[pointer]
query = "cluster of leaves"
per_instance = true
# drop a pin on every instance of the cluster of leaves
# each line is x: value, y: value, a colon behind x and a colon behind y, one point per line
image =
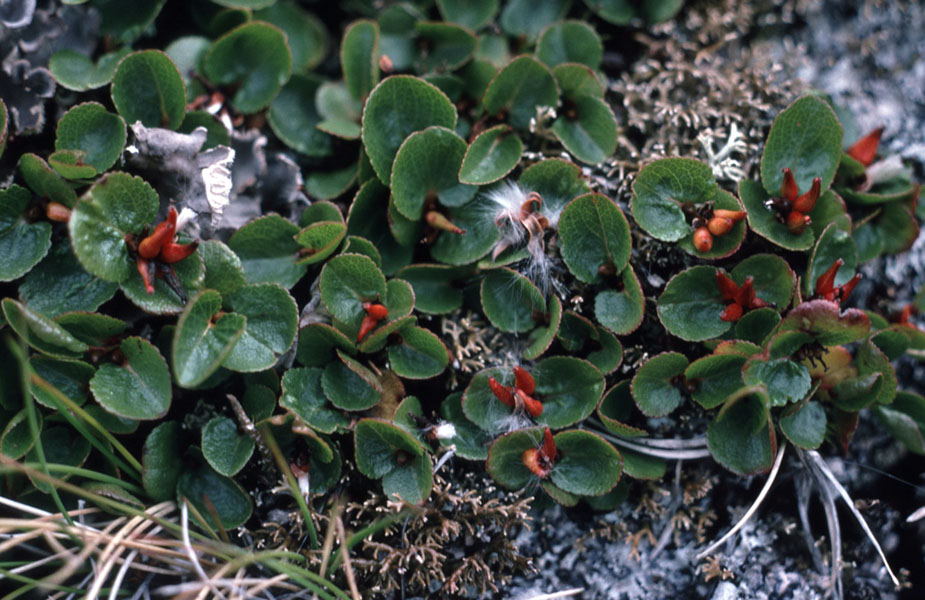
x: 417, y: 222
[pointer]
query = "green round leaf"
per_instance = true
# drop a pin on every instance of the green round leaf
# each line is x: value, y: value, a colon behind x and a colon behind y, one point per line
x: 118, y: 205
x: 756, y: 325
x: 773, y: 278
x: 434, y: 291
x: 91, y: 128
x: 226, y: 450
x: 426, y: 166
x: 621, y: 310
x: 856, y: 393
x: 139, y: 388
x: 569, y: 389
x: 216, y: 134
x: 586, y: 465
x: 305, y: 33
x: 691, y: 305
x: 161, y: 461
x: 92, y: 329
x: 520, y: 87
x: 125, y: 22
x: 294, y: 118
x: 16, y: 438
x: 723, y: 245
x: 473, y: 14
x: 211, y: 492
x: 349, y: 385
x: 367, y: 212
x: 110, y: 422
x: 806, y: 426
x: 253, y: 57
x: 610, y: 354
x: 870, y: 359
x: 577, y: 80
x: 491, y: 156
x: 655, y: 385
x: 224, y: 272
x: 660, y: 190
x: 411, y: 482
x: 826, y: 322
x: 505, y: 464
x: 525, y: 18
x: 557, y: 181
x: 785, y: 380
x: 268, y: 251
x: 454, y: 249
x: 830, y: 208
x: 319, y: 212
x: 346, y: 282
x: 317, y: 342
x: 22, y: 244
x: 805, y: 138
x: 45, y: 181
x: 320, y: 240
x: 511, y: 301
x: 304, y: 396
x: 396, y: 108
x: 419, y: 355
x: 201, y: 345
x: 72, y: 164
x: 40, y: 332
x: 594, y: 234
x: 165, y: 300
x: 542, y: 336
x: 570, y: 42
x: 448, y: 46
x: 272, y: 321
x: 62, y: 446
x: 905, y: 420
x: 359, y: 56
x: 587, y: 128
x: 147, y: 87
x: 339, y: 111
x: 833, y: 244
x: 378, y: 446
x: 740, y: 437
x: 70, y: 377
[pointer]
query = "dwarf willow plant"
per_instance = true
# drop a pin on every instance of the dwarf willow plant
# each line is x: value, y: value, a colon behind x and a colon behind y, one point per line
x: 424, y: 201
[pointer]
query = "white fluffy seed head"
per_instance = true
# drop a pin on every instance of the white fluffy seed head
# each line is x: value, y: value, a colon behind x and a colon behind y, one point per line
x: 445, y: 430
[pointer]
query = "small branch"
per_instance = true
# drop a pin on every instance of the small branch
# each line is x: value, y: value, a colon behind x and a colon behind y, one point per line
x: 345, y: 553
x: 751, y: 510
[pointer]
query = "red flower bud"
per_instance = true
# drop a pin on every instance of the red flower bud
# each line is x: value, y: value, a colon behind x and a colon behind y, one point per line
x: 797, y: 222
x: 172, y: 253
x: 524, y: 381
x: 728, y: 288
x: 502, y: 393
x: 703, y: 240
x: 865, y: 149
x: 146, y: 271
x: 375, y: 310
x: 532, y: 406
x: 732, y: 313
x: 548, y: 450
x: 55, y: 211
x: 734, y: 215
x: 439, y: 221
x: 807, y: 201
x: 825, y: 283
x: 788, y: 189
x: 532, y: 460
x: 719, y: 226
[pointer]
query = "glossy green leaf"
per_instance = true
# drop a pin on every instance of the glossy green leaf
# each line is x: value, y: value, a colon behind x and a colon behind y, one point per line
x: 396, y: 108
x: 616, y: 409
x: 522, y: 86
x: 491, y: 156
x: 201, y: 345
x: 70, y: 377
x: 773, y: 278
x: 40, y: 332
x: 594, y: 234
x: 226, y: 450
x: 756, y: 325
x: 662, y: 188
x: 714, y: 378
x: 16, y: 438
x: 426, y: 167
x: 411, y: 482
x: 805, y: 138
x: 71, y: 164
x: 557, y: 181
x: 126, y: 22
x: 433, y: 286
x: 856, y: 393
x: 655, y: 385
x: 691, y: 305
x: 165, y: 300
x: 587, y: 128
x: 570, y: 42
x: 305, y: 33
x: 216, y: 134
x: 826, y: 322
x: 870, y: 359
x: 304, y: 396
x: 505, y: 464
x: 454, y: 249
x: 118, y: 205
x: 379, y: 444
x: 359, y: 56
x: 61, y: 445
x: 473, y: 14
x: 147, y: 87
x: 44, y: 181
x: 740, y: 437
x: 349, y: 385
x: 621, y: 310
x: 419, y: 355
x: 272, y: 321
x: 569, y: 389
x: 294, y: 118
x: 586, y: 464
x: 527, y: 19
x: 93, y: 329
x: 111, y: 422
x: 785, y: 380
x: 905, y: 420
x: 577, y: 80
x: 253, y: 57
x: 511, y: 301
x: 137, y: 389
x: 91, y: 128
x: 320, y: 240
x: 449, y: 46
x: 542, y: 336
x: 161, y: 461
x: 213, y: 493
x: 806, y: 426
x: 268, y: 251
x: 22, y: 244
x: 367, y: 212
x: 340, y: 112
x: 224, y: 272
x: 346, y: 282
